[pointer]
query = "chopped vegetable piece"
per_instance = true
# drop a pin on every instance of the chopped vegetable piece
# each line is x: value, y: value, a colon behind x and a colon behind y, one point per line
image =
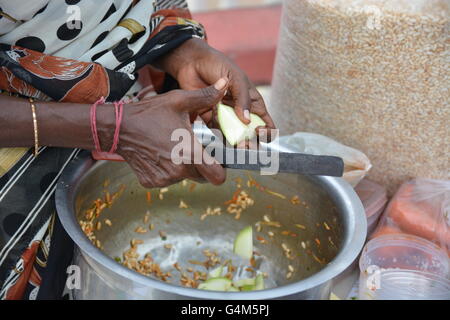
x: 140, y: 230
x: 163, y: 235
x: 259, y: 282
x: 244, y: 282
x: 233, y: 289
x: 233, y: 129
x: 216, y: 284
x: 216, y: 273
x: 183, y: 205
x: 243, y: 244
x: 248, y: 288
x: 279, y: 195
x: 334, y: 297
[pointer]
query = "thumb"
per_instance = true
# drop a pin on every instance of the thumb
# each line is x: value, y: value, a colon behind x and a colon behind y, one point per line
x: 196, y: 100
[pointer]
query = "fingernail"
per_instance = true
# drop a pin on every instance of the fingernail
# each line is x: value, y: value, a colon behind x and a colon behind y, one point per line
x: 247, y: 114
x: 220, y: 84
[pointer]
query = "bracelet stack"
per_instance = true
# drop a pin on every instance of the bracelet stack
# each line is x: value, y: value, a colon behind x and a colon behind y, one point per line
x: 98, y: 153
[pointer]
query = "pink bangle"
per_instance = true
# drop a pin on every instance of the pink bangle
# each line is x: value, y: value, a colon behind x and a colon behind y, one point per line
x: 94, y: 123
x: 118, y: 109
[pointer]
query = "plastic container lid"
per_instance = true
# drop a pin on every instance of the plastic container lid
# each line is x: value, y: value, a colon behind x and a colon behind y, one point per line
x: 407, y: 252
x: 374, y: 199
x: 372, y: 195
x: 402, y: 260
x: 404, y: 285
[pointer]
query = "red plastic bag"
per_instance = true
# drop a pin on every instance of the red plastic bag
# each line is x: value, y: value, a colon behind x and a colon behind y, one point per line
x: 421, y: 207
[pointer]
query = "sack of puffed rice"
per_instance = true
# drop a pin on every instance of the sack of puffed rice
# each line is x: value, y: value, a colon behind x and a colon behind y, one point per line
x: 372, y: 74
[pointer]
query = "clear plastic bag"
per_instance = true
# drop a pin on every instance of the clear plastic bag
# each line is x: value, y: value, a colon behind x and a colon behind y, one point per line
x: 421, y: 207
x: 356, y: 163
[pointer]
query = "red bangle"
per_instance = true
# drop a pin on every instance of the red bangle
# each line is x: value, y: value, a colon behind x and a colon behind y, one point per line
x: 118, y: 107
x: 94, y: 124
x: 98, y: 153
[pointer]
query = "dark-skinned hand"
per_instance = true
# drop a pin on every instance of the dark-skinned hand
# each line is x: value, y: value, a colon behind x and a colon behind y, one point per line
x: 145, y: 139
x: 196, y: 65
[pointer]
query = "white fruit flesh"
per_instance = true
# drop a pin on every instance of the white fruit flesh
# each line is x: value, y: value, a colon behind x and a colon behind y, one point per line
x: 243, y: 244
x: 216, y: 284
x: 233, y: 129
x: 233, y: 289
x: 259, y: 282
x: 216, y: 273
x: 244, y: 282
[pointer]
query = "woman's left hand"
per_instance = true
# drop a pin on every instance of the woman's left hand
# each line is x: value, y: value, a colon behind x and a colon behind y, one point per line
x: 196, y: 65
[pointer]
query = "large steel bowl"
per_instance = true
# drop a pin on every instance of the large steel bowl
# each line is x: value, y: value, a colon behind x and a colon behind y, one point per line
x: 330, y: 210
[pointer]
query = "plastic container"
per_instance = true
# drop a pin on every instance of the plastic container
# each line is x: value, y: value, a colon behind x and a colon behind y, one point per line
x: 400, y: 266
x: 421, y: 208
x: 374, y: 199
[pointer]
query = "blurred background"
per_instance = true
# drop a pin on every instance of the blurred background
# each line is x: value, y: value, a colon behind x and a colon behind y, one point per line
x: 205, y: 5
x: 246, y: 31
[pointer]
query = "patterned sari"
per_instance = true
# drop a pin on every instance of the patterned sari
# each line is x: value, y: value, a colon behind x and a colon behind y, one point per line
x: 68, y: 51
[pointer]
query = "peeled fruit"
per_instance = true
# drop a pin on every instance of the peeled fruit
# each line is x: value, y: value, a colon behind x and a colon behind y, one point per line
x: 248, y: 287
x: 216, y: 284
x: 233, y: 129
x: 216, y: 273
x: 259, y: 282
x: 243, y: 244
x: 244, y: 282
x: 233, y: 289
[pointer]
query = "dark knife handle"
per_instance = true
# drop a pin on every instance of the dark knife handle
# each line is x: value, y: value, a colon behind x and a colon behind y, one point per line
x: 285, y: 162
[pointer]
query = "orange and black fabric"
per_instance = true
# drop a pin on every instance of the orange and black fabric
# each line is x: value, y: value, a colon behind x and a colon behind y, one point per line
x: 34, y: 74
x: 34, y: 249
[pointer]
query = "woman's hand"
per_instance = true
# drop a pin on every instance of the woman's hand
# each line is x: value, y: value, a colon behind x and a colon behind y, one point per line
x: 196, y: 65
x: 145, y: 137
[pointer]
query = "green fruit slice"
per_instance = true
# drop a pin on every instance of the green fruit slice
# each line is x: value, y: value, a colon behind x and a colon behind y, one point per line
x: 243, y: 244
x: 216, y: 284
x: 259, y: 282
x: 248, y: 288
x: 233, y: 289
x: 216, y: 273
x: 244, y: 282
x: 233, y: 129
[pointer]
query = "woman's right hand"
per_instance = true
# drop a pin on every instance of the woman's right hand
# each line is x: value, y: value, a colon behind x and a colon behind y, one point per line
x: 145, y: 137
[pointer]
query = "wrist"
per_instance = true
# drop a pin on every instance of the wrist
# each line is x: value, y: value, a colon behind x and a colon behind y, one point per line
x: 186, y: 54
x: 106, y: 125
x: 69, y: 125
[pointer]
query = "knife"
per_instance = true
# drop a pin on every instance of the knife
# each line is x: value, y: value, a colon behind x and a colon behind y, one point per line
x: 266, y: 161
x: 271, y: 161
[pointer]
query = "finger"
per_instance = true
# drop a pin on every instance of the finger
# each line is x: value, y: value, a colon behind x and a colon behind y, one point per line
x: 146, y: 92
x: 239, y: 90
x: 259, y: 108
x: 194, y: 175
x: 209, y: 168
x: 196, y: 100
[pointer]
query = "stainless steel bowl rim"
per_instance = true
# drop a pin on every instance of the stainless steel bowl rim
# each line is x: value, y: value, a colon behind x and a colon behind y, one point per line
x: 348, y: 253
